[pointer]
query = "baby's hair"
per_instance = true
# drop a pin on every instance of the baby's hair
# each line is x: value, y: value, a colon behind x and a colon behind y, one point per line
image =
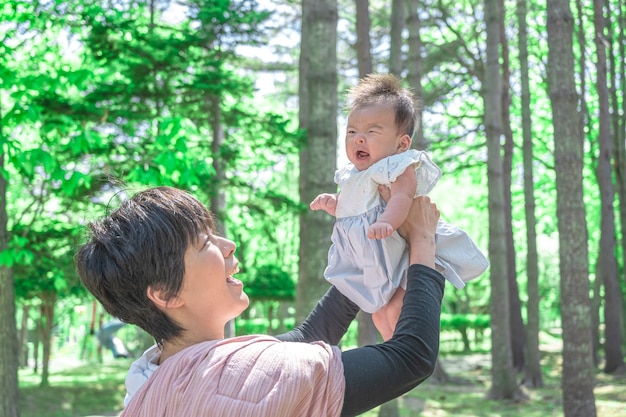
x: 386, y: 89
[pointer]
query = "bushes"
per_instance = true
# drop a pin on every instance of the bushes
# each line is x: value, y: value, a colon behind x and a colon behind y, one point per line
x: 452, y: 326
x: 464, y: 324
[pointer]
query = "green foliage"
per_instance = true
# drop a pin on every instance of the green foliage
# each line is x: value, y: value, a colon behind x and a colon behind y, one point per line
x: 464, y: 321
x: 260, y: 325
x: 271, y: 282
x: 16, y: 253
x: 109, y: 100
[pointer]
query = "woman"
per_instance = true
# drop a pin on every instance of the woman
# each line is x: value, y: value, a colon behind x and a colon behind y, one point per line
x: 156, y: 262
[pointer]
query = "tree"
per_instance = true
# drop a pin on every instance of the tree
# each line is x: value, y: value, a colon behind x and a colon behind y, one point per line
x: 578, y: 376
x: 395, y: 43
x: 8, y: 333
x: 617, y: 55
x: 318, y: 115
x: 396, y: 27
x: 532, y: 364
x: 414, y: 65
x: 515, y: 305
x: 363, y: 43
x: 503, y: 385
x: 368, y: 334
x: 606, y: 258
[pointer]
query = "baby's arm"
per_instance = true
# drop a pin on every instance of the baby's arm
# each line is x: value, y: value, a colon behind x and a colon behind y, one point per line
x: 402, y: 193
x: 326, y: 202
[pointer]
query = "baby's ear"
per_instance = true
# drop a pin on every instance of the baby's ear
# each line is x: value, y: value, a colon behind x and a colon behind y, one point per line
x: 405, y: 143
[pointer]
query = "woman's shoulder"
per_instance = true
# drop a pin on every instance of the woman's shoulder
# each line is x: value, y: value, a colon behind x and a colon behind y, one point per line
x: 257, y: 375
x: 258, y: 346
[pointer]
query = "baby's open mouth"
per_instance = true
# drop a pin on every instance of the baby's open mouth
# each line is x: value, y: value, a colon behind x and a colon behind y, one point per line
x: 362, y: 154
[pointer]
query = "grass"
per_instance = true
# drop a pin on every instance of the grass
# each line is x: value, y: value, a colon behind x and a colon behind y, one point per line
x: 87, y: 389
x: 470, y: 377
x: 83, y: 390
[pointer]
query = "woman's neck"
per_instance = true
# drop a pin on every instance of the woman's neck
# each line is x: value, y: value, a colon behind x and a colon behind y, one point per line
x: 172, y: 347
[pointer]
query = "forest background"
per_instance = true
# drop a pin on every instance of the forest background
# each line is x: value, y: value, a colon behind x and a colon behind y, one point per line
x: 240, y: 102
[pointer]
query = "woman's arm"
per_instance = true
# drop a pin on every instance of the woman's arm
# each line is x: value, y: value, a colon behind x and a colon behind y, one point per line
x: 328, y: 321
x: 377, y: 374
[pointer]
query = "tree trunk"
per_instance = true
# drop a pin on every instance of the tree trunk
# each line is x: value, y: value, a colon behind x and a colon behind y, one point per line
x: 368, y: 335
x: 318, y: 115
x: 389, y: 409
x: 518, y: 337
x: 439, y: 376
x: 23, y: 337
x: 36, y: 345
x: 414, y: 76
x: 578, y: 371
x: 414, y: 66
x: 503, y: 378
x: 363, y: 44
x: 8, y: 331
x: 395, y: 46
x: 596, y: 303
x: 532, y: 364
x: 619, y: 136
x: 614, y: 358
x: 585, y: 124
x: 218, y: 196
x: 48, y: 300
x: 217, y: 193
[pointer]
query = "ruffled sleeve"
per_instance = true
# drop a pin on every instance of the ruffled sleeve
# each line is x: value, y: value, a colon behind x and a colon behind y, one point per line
x: 427, y: 173
x: 344, y: 173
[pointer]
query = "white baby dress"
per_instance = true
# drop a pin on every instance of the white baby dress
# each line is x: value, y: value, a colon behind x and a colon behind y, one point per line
x: 368, y: 271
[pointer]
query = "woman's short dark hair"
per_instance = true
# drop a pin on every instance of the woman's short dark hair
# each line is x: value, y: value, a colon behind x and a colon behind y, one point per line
x: 139, y: 245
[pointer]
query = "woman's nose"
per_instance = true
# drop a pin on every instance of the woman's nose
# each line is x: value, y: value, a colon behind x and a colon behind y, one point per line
x: 228, y: 247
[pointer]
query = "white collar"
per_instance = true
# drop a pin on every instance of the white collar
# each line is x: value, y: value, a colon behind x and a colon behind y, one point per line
x: 140, y: 371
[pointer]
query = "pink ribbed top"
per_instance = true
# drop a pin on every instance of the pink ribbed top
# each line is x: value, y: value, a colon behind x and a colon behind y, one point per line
x: 251, y: 376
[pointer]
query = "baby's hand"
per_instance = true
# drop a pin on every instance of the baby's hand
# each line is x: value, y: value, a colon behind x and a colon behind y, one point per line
x: 326, y: 202
x: 379, y: 230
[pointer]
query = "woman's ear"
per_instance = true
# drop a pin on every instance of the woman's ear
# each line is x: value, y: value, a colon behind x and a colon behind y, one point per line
x: 160, y: 299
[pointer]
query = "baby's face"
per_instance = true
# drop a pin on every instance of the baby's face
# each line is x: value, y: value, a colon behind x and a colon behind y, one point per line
x: 372, y: 135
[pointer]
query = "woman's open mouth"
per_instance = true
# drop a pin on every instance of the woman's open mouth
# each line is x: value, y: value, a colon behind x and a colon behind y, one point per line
x: 233, y: 281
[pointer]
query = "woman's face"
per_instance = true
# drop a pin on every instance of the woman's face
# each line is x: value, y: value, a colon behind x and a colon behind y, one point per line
x: 372, y: 134
x: 209, y: 293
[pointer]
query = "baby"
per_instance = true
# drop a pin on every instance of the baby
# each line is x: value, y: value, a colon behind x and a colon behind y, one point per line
x: 368, y: 259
